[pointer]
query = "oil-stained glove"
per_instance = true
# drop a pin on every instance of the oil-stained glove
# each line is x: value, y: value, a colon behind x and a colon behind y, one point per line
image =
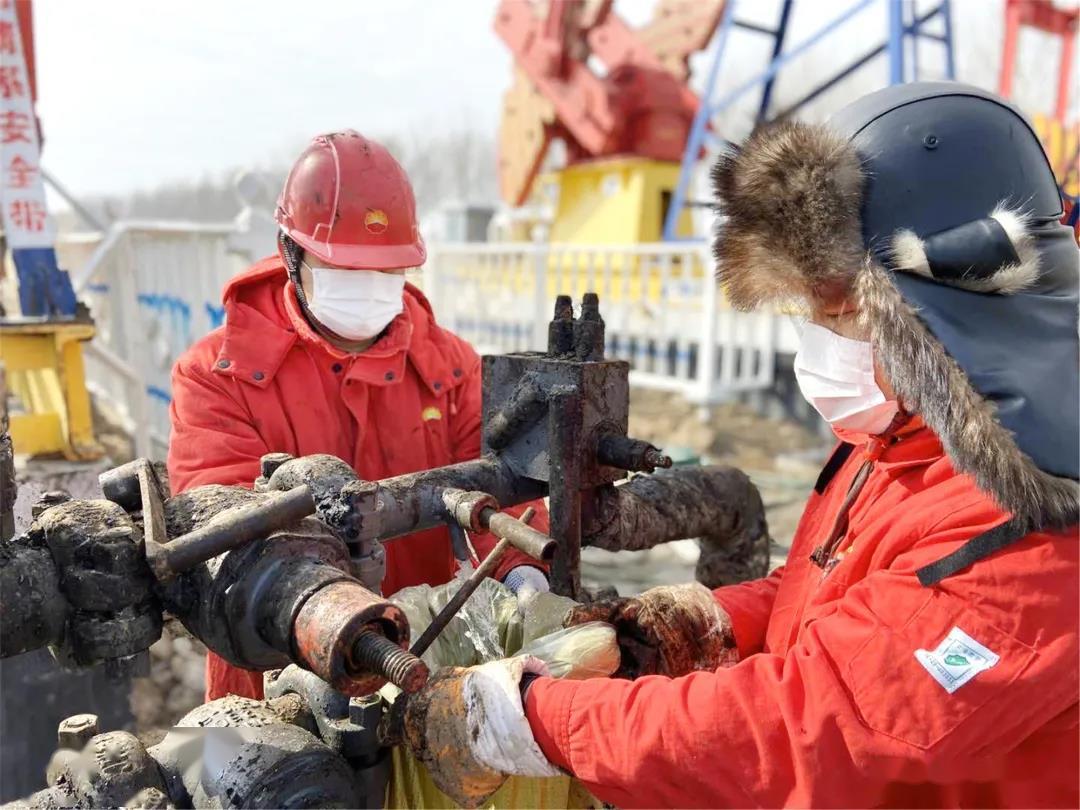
x: 468, y: 727
x: 671, y: 630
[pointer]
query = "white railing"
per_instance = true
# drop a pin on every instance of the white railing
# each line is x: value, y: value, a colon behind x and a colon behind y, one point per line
x: 660, y: 304
x: 155, y: 287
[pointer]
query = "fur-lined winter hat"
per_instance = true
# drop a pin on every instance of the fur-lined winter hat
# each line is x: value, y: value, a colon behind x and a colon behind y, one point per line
x: 933, y: 209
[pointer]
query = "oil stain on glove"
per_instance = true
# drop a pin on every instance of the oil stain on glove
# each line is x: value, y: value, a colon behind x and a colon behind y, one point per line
x: 671, y: 630
x: 468, y: 728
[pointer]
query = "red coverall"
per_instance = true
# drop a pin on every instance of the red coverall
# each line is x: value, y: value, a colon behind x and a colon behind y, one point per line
x: 829, y: 705
x: 266, y: 382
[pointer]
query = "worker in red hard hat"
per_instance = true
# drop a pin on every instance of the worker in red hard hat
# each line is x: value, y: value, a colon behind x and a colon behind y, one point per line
x: 326, y: 348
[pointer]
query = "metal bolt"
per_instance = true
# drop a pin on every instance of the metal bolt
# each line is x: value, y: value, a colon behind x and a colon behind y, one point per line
x: 75, y: 732
x: 365, y: 711
x: 589, y: 330
x: 49, y: 500
x: 590, y: 306
x: 271, y: 461
x: 654, y: 458
x: 561, y: 328
x: 379, y: 655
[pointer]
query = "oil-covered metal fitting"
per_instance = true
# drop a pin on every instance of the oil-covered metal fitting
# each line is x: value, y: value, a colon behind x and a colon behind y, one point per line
x: 375, y: 653
x: 466, y: 507
x: 75, y: 732
x: 35, y: 609
x: 121, y: 485
x: 365, y: 711
x: 113, y: 768
x: 634, y: 455
x: 271, y: 461
x: 589, y: 330
x: 230, y: 529
x: 48, y: 500
x: 521, y: 411
x: 234, y: 752
x: 561, y: 328
x: 328, y: 627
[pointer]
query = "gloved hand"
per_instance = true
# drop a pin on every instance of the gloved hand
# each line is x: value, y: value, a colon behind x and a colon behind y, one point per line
x: 671, y: 630
x: 526, y: 582
x: 468, y: 727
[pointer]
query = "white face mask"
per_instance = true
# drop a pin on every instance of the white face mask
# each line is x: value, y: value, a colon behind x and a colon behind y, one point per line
x: 355, y: 304
x: 836, y: 375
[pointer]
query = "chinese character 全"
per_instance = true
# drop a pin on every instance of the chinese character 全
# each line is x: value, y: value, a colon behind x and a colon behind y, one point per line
x: 19, y: 173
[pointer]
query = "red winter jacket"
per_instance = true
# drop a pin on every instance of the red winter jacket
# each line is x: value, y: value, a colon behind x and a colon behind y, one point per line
x: 266, y: 382
x: 858, y: 688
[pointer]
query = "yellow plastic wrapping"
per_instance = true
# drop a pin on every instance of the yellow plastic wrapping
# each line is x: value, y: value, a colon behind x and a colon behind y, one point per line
x: 487, y: 627
x: 411, y: 787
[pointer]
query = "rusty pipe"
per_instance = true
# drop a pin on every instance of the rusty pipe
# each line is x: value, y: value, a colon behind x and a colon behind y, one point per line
x: 686, y: 502
x: 413, y: 502
x: 355, y: 640
x: 234, y: 528
x: 524, y: 538
x: 34, y: 610
x: 478, y: 511
x: 523, y: 409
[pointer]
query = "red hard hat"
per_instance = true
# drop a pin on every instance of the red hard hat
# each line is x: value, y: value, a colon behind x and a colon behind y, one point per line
x: 350, y: 203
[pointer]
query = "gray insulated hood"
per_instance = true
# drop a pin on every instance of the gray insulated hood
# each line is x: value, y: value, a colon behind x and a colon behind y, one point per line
x: 933, y: 208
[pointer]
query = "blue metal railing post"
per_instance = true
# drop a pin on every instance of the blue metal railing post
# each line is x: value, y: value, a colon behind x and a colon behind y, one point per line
x: 896, y: 41
x: 905, y: 25
x: 778, y: 47
x: 946, y: 20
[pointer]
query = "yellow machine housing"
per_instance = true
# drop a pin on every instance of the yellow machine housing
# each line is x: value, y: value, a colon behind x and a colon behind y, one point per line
x: 614, y: 201
x: 44, y: 365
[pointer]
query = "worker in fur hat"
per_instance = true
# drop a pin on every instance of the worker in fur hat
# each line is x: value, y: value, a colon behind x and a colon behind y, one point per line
x: 920, y: 646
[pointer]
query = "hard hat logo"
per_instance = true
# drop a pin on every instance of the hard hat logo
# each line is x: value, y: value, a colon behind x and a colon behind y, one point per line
x: 376, y: 220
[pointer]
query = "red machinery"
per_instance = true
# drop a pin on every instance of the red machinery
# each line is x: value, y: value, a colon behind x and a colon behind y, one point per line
x: 640, y: 105
x: 1061, y: 139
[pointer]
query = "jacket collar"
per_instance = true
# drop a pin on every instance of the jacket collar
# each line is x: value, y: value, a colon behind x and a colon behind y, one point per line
x: 263, y: 322
x: 909, y: 444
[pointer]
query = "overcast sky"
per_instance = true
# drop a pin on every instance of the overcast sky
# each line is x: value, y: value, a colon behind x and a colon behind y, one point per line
x: 134, y: 93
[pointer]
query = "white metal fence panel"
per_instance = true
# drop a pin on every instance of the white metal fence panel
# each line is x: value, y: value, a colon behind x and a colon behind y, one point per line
x: 660, y: 303
x: 153, y: 288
